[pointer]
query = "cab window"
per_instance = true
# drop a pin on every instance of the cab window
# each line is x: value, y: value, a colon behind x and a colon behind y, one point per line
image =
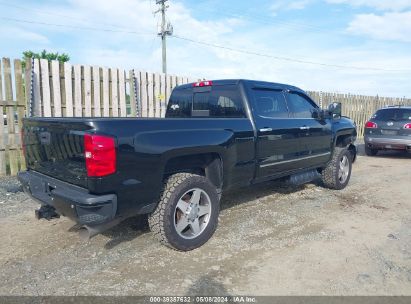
x: 270, y: 103
x: 201, y: 105
x: 226, y: 101
x: 179, y: 104
x: 221, y: 101
x: 300, y: 106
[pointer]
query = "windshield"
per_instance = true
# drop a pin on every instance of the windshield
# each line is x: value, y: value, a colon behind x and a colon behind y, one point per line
x: 393, y: 114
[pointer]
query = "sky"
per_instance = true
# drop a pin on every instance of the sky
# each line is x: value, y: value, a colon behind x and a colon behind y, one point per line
x: 344, y: 46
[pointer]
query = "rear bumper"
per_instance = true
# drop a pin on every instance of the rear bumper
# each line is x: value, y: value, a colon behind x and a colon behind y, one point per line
x: 400, y: 143
x: 69, y: 200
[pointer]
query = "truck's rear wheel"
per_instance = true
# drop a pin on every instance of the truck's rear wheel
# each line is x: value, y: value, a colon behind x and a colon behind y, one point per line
x: 337, y: 173
x: 187, y: 214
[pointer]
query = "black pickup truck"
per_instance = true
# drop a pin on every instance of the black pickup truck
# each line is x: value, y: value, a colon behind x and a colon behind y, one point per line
x: 217, y: 135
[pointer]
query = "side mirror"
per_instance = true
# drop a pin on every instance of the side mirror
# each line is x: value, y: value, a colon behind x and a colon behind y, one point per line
x: 335, y: 109
x: 321, y: 114
x: 316, y: 114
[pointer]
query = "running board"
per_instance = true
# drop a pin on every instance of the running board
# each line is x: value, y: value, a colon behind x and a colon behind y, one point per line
x: 304, y: 177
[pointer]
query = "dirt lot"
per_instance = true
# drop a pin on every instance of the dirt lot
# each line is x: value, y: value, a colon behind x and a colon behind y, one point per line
x: 271, y: 240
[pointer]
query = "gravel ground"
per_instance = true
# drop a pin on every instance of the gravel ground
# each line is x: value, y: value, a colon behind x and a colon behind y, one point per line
x: 12, y: 199
x: 272, y: 240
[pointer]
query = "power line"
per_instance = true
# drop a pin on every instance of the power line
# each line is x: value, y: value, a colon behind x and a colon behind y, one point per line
x: 78, y: 27
x: 284, y: 58
x: 209, y: 44
x: 54, y: 14
x: 268, y: 20
x: 224, y: 12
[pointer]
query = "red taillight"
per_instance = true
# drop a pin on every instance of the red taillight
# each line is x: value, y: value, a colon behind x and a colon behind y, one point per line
x: 203, y: 84
x: 371, y: 125
x: 100, y: 154
x: 407, y: 126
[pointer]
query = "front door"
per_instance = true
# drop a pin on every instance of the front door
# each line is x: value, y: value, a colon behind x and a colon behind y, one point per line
x: 278, y: 135
x: 315, y: 136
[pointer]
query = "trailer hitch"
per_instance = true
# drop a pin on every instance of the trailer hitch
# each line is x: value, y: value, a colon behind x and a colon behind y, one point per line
x: 47, y: 212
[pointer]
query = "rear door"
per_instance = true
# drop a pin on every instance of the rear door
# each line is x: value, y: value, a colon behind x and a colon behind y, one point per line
x: 315, y: 137
x: 223, y: 104
x: 278, y: 147
x: 219, y: 109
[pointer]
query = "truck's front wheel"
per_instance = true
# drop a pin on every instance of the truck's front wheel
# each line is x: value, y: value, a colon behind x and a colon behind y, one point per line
x: 187, y: 214
x: 337, y: 173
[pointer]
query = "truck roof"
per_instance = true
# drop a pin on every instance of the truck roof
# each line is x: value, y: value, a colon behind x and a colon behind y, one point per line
x: 256, y: 83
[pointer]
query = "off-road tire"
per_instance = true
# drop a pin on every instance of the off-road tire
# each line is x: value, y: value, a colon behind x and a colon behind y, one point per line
x: 329, y: 174
x: 370, y: 151
x: 161, y: 221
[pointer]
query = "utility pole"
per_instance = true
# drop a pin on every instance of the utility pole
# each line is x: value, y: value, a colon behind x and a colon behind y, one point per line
x: 166, y: 30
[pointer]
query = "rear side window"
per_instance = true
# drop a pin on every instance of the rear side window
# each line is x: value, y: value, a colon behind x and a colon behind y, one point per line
x: 226, y: 101
x: 221, y: 101
x: 270, y: 103
x: 393, y: 114
x: 179, y: 104
x: 300, y: 106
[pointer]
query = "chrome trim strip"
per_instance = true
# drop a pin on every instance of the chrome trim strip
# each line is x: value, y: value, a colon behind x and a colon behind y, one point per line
x: 293, y: 160
x: 266, y: 130
x: 383, y: 140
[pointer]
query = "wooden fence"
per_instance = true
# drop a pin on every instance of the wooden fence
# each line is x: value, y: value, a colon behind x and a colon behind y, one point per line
x: 65, y: 90
x: 12, y: 108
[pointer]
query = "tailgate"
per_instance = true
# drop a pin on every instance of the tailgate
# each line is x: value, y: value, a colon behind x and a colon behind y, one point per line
x: 55, y: 147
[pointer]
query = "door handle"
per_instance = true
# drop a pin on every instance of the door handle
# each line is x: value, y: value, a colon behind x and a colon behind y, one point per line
x: 266, y: 130
x: 304, y: 128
